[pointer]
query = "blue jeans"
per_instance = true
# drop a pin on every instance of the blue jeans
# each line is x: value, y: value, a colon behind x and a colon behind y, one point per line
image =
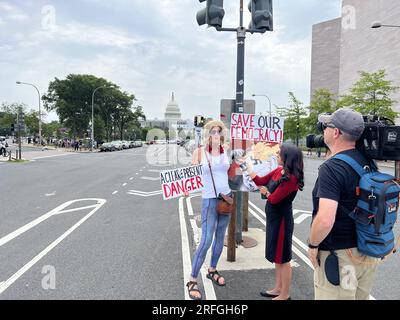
x: 211, y: 223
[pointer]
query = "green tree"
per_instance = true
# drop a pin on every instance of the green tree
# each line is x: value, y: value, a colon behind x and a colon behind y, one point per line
x: 370, y: 95
x: 323, y: 101
x: 71, y: 99
x: 295, y: 126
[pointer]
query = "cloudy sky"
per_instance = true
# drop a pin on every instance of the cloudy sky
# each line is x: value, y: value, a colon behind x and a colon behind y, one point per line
x: 151, y: 48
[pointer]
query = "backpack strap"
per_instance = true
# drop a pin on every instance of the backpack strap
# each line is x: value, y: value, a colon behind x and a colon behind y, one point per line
x: 352, y: 163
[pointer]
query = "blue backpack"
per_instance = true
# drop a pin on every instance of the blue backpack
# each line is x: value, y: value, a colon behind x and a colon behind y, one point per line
x: 376, y: 210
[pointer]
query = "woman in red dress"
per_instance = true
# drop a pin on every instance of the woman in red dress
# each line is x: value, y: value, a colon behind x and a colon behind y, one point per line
x: 280, y: 188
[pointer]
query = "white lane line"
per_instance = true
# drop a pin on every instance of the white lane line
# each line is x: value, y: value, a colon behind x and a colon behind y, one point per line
x: 257, y: 209
x: 150, y: 178
x: 42, y: 218
x: 50, y: 194
x: 124, y: 184
x: 131, y: 178
x: 187, y: 264
x: 31, y: 263
x: 207, y: 284
x: 57, y: 155
x: 295, y: 250
x: 115, y: 192
x: 301, y: 218
x: 137, y: 173
x: 154, y: 170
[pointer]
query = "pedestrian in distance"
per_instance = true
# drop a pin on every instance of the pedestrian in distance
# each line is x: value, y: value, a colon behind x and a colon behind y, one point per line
x: 333, y: 237
x: 280, y: 188
x: 213, y: 225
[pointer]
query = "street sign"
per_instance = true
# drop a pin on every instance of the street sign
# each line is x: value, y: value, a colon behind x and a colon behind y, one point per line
x: 228, y: 107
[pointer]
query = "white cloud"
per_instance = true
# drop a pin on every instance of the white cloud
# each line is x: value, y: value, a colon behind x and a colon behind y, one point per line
x: 4, y: 6
x: 170, y: 53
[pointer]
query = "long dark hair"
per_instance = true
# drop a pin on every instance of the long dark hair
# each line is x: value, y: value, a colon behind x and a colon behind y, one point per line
x: 292, y: 158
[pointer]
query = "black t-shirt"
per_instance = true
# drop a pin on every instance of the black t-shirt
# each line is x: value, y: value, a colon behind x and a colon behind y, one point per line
x: 338, y: 181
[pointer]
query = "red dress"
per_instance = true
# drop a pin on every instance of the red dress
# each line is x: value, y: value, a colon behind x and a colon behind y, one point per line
x: 279, y: 213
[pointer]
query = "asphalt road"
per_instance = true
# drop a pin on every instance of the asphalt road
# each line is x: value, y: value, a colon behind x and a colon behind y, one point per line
x: 94, y: 226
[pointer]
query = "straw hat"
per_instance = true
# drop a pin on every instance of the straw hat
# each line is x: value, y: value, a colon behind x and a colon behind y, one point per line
x: 211, y: 124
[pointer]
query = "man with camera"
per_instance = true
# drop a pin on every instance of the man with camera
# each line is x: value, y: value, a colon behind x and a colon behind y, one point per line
x: 333, y: 239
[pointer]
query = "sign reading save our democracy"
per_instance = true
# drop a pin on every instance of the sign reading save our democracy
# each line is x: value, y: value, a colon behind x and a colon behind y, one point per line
x: 175, y: 182
x: 256, y: 127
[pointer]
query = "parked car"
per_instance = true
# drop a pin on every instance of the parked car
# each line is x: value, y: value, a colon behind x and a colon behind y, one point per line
x: 125, y: 144
x: 117, y: 144
x: 107, y: 146
x: 138, y: 144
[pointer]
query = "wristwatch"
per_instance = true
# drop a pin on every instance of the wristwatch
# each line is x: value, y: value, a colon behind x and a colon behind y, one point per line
x: 311, y: 246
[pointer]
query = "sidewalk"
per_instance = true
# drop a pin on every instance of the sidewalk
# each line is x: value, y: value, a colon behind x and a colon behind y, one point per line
x: 384, y: 164
x: 44, y: 152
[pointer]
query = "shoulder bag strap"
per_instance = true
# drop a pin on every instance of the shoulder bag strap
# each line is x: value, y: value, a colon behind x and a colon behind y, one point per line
x: 212, y: 177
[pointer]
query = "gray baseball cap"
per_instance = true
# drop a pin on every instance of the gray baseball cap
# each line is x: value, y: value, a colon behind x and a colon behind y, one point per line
x: 346, y: 120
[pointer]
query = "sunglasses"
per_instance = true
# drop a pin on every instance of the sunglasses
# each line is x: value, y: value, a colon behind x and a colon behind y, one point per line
x: 215, y: 132
x: 327, y: 125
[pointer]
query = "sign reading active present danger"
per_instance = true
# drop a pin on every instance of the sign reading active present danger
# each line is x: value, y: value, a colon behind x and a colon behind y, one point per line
x: 176, y: 182
x: 256, y: 127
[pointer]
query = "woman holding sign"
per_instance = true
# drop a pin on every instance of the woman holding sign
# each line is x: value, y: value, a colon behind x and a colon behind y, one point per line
x: 215, y: 163
x: 280, y: 189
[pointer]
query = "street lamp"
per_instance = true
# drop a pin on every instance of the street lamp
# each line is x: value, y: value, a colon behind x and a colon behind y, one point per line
x: 376, y: 25
x: 40, y: 112
x: 379, y: 24
x: 92, y: 135
x: 269, y: 100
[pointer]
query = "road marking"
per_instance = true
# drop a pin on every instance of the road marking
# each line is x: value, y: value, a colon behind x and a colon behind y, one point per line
x: 57, y: 155
x: 301, y: 218
x: 115, y: 192
x: 187, y: 264
x: 131, y: 178
x: 207, y: 284
x: 257, y: 208
x: 50, y: 194
x: 137, y: 173
x: 154, y: 170
x: 30, y: 264
x: 124, y: 184
x: 42, y: 218
x: 144, y: 194
x: 295, y: 250
x: 150, y: 178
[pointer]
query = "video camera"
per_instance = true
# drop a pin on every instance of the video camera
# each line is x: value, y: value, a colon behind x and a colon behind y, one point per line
x: 379, y: 141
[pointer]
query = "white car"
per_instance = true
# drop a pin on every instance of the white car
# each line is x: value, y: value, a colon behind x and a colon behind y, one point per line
x: 117, y: 144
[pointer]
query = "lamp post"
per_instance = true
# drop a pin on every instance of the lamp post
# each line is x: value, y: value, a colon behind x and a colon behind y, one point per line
x: 40, y: 112
x: 377, y: 25
x: 92, y: 134
x: 269, y: 100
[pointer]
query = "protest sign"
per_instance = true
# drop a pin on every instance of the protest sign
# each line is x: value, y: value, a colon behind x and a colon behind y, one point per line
x: 256, y: 128
x: 175, y: 182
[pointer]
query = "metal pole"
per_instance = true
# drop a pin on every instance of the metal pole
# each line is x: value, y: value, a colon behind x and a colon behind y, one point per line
x: 238, y: 199
x: 92, y: 135
x: 40, y: 111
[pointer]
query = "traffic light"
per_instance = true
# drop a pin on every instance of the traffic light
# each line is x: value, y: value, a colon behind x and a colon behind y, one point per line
x: 12, y: 128
x: 212, y: 14
x: 199, y: 121
x: 261, y: 15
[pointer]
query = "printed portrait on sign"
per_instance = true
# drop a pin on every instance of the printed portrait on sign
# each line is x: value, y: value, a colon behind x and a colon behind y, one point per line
x: 262, y: 157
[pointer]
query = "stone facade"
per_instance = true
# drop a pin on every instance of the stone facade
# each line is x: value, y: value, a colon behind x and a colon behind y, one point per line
x: 361, y: 47
x: 325, y: 63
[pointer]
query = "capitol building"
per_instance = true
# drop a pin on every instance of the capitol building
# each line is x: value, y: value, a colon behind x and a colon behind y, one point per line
x: 172, y: 118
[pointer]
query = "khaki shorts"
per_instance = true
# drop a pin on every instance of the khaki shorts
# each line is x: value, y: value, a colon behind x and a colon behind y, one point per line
x: 356, y: 279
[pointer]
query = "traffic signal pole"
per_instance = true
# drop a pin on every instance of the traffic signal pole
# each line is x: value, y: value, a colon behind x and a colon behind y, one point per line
x: 241, y: 198
x: 261, y: 22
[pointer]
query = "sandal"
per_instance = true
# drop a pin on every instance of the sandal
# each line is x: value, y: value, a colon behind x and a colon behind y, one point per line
x: 211, y: 276
x: 190, y: 286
